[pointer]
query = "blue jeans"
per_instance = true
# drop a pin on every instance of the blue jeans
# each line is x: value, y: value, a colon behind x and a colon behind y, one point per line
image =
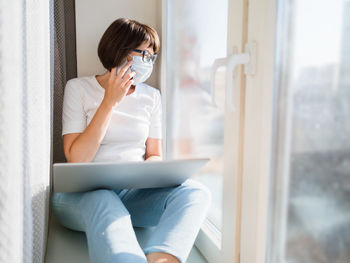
x: 108, y: 216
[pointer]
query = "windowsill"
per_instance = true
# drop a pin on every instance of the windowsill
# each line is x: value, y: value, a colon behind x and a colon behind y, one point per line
x: 208, y: 242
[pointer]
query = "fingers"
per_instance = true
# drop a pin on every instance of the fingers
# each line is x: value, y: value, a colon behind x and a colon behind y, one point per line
x: 127, y: 78
x: 128, y: 85
x: 113, y: 73
x: 124, y: 69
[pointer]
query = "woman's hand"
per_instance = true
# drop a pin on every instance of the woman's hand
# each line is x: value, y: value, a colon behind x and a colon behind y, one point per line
x: 118, y: 85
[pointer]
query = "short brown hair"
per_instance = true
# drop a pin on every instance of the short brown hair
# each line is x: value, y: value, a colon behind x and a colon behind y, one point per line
x: 121, y: 37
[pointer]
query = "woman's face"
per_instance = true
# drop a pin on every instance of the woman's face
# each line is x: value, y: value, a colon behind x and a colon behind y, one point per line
x: 143, y: 46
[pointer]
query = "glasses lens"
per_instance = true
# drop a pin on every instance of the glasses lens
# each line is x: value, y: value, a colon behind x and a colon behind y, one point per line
x: 154, y: 58
x: 147, y: 57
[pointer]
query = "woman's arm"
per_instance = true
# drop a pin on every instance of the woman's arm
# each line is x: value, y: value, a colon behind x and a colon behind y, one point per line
x: 153, y: 149
x: 82, y: 147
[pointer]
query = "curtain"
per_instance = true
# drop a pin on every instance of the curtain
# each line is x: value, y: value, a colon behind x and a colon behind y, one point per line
x: 65, y: 66
x: 25, y: 128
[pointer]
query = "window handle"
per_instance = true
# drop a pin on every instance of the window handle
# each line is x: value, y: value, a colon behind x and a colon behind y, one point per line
x: 216, y: 65
x: 231, y: 62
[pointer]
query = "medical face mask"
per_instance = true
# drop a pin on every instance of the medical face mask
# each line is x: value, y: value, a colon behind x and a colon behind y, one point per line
x: 143, y: 69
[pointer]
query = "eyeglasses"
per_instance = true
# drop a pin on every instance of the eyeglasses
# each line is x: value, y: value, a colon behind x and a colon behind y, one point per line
x: 146, y: 55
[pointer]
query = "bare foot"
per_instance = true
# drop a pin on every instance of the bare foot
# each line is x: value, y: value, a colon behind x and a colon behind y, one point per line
x: 160, y: 257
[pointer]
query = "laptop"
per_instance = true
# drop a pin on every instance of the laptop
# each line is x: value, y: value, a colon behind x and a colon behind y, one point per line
x: 81, y: 177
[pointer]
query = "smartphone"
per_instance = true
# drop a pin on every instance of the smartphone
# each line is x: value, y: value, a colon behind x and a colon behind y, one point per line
x: 129, y: 71
x: 126, y: 72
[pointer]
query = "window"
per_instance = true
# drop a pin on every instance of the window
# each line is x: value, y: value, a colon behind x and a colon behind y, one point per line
x: 196, y: 36
x: 312, y: 172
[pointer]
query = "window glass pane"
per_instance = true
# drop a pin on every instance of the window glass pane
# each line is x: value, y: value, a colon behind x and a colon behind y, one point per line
x: 314, y: 92
x: 196, y: 36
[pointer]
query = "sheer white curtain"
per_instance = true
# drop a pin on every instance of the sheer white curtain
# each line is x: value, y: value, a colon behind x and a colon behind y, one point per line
x: 25, y: 128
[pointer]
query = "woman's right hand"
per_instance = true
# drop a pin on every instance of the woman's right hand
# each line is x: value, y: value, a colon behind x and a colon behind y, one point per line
x: 118, y: 85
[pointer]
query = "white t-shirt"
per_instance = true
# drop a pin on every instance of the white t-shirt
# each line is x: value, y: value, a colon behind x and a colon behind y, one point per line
x: 137, y: 117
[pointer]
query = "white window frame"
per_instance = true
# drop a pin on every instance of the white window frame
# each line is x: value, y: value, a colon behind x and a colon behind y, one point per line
x: 258, y: 133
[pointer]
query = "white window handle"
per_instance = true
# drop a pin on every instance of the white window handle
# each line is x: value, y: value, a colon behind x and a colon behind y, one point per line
x: 231, y: 63
x: 216, y: 65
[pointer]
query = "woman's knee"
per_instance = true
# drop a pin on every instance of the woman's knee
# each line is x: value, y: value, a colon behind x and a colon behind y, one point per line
x: 64, y: 209
x: 195, y: 191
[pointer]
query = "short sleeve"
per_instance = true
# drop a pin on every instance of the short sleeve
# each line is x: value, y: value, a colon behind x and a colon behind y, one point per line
x: 155, y: 130
x: 73, y: 114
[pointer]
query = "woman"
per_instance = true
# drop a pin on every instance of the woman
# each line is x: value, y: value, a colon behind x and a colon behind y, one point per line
x: 117, y: 117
